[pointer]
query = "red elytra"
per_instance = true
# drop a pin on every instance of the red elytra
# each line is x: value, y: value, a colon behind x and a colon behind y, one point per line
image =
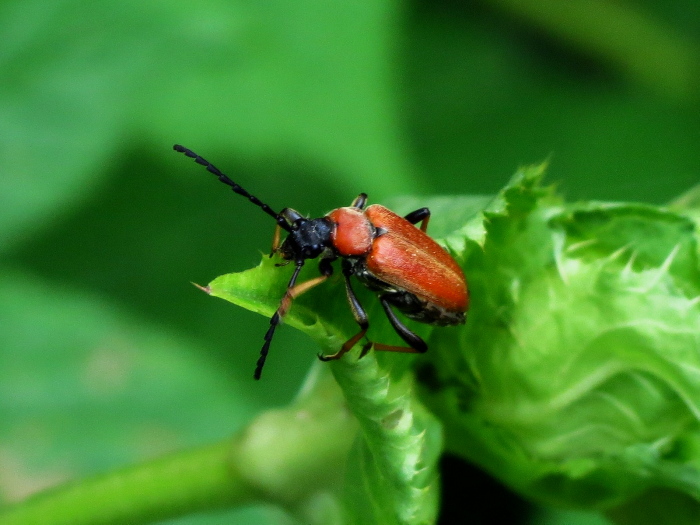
x: 403, y: 255
x: 387, y: 253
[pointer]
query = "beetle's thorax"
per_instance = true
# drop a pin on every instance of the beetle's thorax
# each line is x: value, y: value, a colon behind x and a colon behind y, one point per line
x: 308, y: 239
x: 353, y: 233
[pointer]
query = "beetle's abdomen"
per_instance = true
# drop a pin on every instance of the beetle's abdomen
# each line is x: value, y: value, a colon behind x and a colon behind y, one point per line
x: 406, y: 257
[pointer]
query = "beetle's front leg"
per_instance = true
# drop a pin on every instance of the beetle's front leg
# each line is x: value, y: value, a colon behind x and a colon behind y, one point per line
x: 276, y: 240
x: 293, y: 291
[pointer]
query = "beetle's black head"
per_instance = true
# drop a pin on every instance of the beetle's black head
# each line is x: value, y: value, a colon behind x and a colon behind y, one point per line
x: 307, y: 239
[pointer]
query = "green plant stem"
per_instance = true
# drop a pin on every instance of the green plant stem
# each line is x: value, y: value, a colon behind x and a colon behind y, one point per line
x: 286, y: 457
x: 189, y: 481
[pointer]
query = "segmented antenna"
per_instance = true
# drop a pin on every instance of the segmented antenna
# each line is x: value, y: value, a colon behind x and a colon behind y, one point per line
x: 235, y: 187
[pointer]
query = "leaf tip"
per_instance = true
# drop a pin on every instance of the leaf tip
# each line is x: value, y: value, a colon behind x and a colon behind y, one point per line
x: 205, y: 289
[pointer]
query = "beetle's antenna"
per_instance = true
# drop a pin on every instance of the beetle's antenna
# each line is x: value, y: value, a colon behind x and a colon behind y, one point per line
x: 276, y: 320
x: 235, y: 187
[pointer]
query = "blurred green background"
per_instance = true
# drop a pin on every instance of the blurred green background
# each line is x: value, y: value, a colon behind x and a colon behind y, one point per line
x: 108, y: 355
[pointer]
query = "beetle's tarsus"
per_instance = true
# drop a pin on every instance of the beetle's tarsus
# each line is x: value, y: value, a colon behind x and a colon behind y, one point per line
x: 366, y: 348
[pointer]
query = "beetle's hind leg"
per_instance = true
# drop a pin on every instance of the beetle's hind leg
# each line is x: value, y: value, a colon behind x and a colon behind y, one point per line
x: 416, y: 345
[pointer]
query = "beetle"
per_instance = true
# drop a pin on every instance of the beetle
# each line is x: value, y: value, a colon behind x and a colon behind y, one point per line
x: 387, y: 253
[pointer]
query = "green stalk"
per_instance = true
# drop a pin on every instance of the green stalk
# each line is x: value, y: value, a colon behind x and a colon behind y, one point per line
x: 287, y: 457
x: 170, y: 486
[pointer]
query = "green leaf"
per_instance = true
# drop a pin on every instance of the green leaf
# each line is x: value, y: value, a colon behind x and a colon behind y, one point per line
x: 576, y: 379
x: 688, y: 204
x: 309, y: 78
x: 400, y: 444
x: 394, y: 471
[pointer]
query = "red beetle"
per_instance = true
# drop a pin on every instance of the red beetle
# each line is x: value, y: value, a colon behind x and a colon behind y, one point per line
x: 386, y: 252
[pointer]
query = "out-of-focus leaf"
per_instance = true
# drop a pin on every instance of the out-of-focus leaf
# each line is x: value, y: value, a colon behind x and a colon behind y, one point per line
x: 271, y: 79
x: 85, y: 388
x: 309, y: 80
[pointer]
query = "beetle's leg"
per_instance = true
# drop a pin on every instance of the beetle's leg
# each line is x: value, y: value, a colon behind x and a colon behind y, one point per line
x: 293, y: 290
x: 416, y: 344
x: 360, y: 201
x: 275, y: 240
x: 360, y: 318
x: 421, y: 215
